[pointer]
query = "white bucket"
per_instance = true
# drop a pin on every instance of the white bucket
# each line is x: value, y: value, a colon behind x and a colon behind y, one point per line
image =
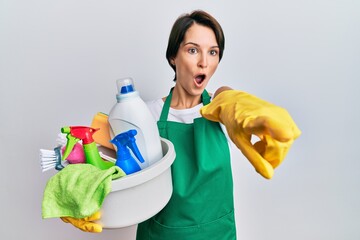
x: 139, y: 196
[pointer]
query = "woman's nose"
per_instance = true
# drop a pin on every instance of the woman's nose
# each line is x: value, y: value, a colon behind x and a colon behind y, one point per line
x: 203, y: 61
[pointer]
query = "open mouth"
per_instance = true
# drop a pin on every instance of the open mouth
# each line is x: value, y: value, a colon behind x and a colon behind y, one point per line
x: 199, y: 78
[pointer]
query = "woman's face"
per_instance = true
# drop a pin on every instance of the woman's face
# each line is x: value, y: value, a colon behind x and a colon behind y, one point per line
x: 196, y: 59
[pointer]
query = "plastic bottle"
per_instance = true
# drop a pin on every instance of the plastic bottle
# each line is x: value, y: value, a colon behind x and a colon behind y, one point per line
x: 84, y: 133
x: 125, y: 142
x: 131, y: 112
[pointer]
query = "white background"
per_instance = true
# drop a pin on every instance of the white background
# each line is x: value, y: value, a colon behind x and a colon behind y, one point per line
x: 59, y: 61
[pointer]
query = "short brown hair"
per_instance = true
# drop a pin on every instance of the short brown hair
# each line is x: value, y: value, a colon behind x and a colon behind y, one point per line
x: 183, y: 23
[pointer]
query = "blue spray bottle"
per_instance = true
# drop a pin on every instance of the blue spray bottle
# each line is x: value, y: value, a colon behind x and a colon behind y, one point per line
x: 124, y: 160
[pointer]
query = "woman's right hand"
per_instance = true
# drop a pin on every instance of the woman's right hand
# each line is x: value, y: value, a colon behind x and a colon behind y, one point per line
x: 245, y: 115
x: 86, y: 224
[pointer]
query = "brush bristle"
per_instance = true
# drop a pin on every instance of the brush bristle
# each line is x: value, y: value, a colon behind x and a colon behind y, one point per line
x: 48, y: 159
x: 61, y: 139
x: 45, y: 152
x: 47, y: 167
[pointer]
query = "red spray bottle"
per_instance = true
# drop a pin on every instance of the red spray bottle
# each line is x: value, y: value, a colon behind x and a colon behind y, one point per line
x: 76, y: 133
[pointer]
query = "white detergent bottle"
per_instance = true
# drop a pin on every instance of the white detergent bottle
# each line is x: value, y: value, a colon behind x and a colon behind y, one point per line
x: 131, y: 112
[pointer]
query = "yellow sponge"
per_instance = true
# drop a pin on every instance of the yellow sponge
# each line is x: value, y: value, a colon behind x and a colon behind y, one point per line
x: 102, y: 136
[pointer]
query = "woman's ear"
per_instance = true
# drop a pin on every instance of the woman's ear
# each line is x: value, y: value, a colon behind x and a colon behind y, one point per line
x: 172, y: 61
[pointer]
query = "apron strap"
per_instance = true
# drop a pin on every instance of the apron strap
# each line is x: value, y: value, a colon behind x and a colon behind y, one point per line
x: 205, y: 98
x: 166, y: 107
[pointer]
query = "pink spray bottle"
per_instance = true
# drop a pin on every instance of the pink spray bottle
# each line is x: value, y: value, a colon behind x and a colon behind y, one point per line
x: 76, y: 133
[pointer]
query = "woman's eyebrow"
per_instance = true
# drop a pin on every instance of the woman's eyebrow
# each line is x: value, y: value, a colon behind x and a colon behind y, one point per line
x: 197, y: 45
x: 191, y: 43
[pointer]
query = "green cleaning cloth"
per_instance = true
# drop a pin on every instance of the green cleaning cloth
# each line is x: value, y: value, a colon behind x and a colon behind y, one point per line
x: 78, y: 190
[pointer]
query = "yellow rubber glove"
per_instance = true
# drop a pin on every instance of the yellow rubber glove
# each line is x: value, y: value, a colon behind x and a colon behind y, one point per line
x: 85, y: 224
x: 245, y: 115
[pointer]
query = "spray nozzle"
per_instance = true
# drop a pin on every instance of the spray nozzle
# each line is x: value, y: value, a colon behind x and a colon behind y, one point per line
x: 125, y: 161
x: 71, y: 141
x: 76, y: 133
x: 80, y: 132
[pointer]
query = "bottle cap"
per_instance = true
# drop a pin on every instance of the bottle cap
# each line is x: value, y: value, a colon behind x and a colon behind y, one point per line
x: 125, y: 86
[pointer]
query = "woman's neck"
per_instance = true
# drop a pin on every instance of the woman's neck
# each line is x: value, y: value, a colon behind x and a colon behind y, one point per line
x: 181, y: 99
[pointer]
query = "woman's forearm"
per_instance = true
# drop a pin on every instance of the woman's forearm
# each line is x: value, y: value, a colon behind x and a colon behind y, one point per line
x: 221, y: 89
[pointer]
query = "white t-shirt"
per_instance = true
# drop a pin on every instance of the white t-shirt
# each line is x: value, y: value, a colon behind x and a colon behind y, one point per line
x: 175, y: 115
x: 180, y: 115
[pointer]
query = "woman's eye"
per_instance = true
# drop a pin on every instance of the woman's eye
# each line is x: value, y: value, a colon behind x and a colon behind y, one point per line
x: 192, y: 50
x: 213, y: 52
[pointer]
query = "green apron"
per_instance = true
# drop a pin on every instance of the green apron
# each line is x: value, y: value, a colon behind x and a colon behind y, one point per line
x: 201, y: 206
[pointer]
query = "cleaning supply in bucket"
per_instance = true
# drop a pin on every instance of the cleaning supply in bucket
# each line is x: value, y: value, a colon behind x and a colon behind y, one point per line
x: 78, y: 190
x: 51, y: 159
x: 125, y: 141
x: 102, y: 137
x: 77, y: 154
x: 131, y: 112
x: 76, y: 133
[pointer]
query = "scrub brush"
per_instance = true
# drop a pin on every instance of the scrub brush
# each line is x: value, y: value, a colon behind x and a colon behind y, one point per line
x: 50, y: 159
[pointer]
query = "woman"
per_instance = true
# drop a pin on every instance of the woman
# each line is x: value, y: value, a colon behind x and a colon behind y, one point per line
x: 201, y: 206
